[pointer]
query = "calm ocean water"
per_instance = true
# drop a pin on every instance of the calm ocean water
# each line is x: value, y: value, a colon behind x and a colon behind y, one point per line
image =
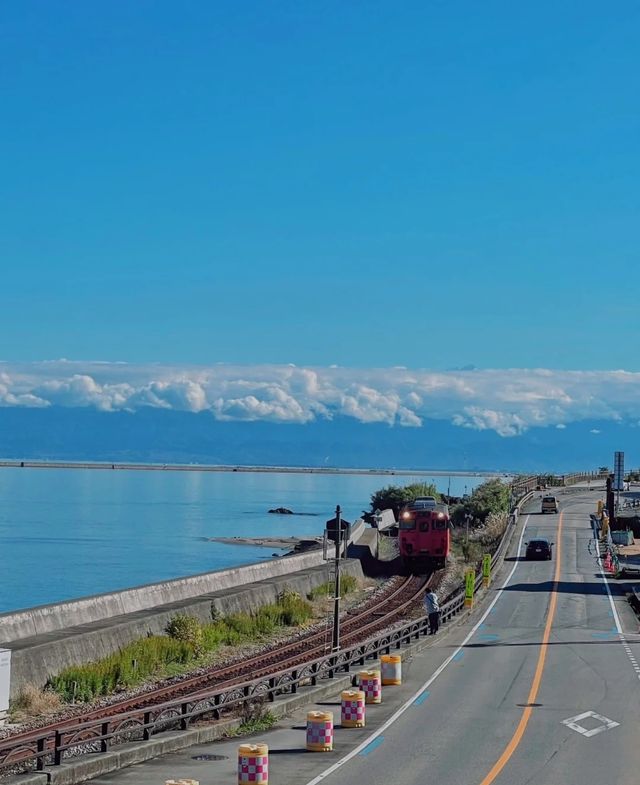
x: 66, y: 533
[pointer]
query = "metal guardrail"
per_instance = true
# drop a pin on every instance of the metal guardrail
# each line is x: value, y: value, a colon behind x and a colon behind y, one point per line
x: 46, y: 748
x: 532, y: 481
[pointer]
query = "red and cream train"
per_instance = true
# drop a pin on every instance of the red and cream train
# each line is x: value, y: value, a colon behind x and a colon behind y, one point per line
x: 424, y: 534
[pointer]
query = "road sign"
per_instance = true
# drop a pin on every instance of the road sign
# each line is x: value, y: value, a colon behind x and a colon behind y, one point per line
x: 618, y: 471
x: 486, y: 570
x: 469, y: 586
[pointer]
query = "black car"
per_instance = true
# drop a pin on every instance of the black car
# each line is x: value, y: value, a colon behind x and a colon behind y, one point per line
x: 539, y: 549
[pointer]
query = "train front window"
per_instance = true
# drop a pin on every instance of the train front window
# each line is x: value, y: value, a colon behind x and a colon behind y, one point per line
x: 407, y: 523
x: 440, y: 524
x: 423, y: 525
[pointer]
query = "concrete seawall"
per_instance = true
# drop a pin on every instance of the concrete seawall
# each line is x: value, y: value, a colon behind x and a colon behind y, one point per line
x: 42, y: 619
x: 35, y: 658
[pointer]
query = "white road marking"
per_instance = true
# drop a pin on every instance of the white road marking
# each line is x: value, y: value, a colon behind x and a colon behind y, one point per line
x: 605, y: 724
x: 614, y: 610
x: 407, y: 705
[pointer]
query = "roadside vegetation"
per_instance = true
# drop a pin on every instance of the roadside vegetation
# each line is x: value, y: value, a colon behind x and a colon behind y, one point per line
x: 490, y: 498
x: 187, y: 644
x: 471, y: 549
x: 394, y: 497
x: 34, y: 702
x: 254, y: 719
x: 348, y: 584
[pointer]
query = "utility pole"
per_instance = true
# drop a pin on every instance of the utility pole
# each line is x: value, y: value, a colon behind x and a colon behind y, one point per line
x: 335, y: 645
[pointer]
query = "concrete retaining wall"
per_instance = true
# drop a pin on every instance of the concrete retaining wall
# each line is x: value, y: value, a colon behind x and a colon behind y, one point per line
x: 36, y: 658
x: 42, y: 619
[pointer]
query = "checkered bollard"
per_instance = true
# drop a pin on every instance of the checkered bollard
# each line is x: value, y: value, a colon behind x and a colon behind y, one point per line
x: 371, y: 685
x: 253, y: 763
x: 352, y: 715
x: 320, y: 731
x: 391, y: 669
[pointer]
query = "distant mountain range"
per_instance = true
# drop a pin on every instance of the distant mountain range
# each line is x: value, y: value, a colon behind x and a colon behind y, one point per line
x: 165, y: 436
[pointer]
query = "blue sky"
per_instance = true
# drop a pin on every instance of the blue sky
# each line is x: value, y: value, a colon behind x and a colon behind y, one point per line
x: 426, y: 184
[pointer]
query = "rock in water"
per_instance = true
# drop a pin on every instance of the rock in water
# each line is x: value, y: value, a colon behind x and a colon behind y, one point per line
x: 281, y: 511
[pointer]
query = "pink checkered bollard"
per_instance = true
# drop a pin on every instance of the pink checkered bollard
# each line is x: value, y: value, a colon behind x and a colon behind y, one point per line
x: 371, y: 685
x: 253, y: 763
x: 352, y: 709
x: 319, y: 731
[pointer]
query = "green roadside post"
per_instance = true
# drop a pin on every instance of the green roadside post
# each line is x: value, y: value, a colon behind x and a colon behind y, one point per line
x: 469, y: 586
x: 486, y: 570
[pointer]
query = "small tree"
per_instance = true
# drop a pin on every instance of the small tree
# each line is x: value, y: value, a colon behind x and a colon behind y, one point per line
x: 492, y: 497
x: 394, y: 497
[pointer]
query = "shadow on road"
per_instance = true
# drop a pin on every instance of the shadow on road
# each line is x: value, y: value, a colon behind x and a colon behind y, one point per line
x: 614, y: 640
x: 570, y: 587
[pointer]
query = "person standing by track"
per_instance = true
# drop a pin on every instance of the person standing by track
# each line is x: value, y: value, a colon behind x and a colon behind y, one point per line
x: 433, y: 610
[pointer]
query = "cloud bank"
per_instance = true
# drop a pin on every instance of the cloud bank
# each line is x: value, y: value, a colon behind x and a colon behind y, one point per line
x: 506, y: 401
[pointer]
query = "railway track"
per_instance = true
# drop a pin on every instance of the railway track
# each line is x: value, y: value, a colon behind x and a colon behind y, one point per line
x: 376, y: 615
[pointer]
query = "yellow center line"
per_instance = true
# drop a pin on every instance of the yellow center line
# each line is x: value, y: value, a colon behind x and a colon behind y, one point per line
x: 537, y: 678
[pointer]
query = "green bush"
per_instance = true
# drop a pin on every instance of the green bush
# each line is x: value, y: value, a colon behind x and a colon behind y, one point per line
x: 295, y: 610
x: 186, y: 629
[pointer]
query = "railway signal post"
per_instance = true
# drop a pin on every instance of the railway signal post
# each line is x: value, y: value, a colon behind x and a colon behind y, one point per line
x: 467, y: 518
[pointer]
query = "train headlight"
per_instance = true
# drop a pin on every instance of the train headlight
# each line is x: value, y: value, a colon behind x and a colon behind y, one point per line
x: 406, y: 515
x: 440, y: 515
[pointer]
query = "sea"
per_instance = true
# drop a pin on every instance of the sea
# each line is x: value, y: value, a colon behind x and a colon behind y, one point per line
x: 67, y: 533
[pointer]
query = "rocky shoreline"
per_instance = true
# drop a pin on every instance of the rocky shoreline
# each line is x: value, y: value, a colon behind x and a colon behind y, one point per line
x: 279, y: 543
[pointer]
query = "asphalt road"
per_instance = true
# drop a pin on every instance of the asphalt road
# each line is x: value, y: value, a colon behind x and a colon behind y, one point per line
x: 539, y: 687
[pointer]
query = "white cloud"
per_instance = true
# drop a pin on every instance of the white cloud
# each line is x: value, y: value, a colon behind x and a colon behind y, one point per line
x: 505, y: 401
x: 504, y: 423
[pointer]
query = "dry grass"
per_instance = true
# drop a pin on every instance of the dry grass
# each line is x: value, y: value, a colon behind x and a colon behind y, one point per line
x: 484, y: 540
x: 34, y: 702
x: 494, y: 527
